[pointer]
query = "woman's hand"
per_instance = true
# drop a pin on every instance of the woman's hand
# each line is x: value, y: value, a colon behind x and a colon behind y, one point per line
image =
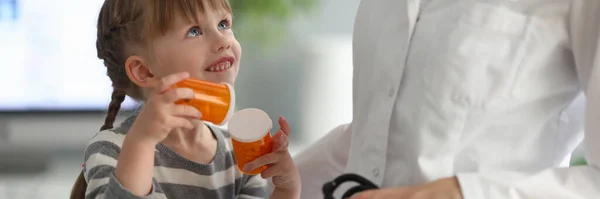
x: 442, y: 188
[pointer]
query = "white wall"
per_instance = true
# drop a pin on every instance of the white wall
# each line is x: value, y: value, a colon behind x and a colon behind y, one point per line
x: 328, y: 86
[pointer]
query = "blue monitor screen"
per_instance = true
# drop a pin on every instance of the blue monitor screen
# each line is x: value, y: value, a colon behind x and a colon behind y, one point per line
x: 48, y: 57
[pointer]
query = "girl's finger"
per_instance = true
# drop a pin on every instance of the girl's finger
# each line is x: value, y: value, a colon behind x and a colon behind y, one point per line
x: 173, y: 95
x: 285, y: 126
x: 273, y: 170
x: 266, y: 159
x: 167, y: 82
x: 186, y: 111
x: 280, y: 142
x: 183, y: 123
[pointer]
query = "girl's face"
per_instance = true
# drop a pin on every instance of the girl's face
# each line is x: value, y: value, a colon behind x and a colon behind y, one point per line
x: 207, y: 50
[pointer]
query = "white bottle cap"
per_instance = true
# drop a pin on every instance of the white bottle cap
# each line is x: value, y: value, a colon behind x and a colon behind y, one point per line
x: 249, y: 125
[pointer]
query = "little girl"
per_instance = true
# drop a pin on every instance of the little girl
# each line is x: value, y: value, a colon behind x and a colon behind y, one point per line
x: 165, y: 151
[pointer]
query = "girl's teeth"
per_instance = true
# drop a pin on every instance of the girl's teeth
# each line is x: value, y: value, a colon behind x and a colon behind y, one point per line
x: 220, y: 67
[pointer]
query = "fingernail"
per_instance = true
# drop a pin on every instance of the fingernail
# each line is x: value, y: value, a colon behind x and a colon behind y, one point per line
x: 282, y: 138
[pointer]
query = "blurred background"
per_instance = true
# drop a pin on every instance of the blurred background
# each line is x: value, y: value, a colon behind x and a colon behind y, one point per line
x: 296, y: 63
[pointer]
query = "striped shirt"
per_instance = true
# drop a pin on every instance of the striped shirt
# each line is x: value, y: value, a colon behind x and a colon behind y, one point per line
x: 174, y: 175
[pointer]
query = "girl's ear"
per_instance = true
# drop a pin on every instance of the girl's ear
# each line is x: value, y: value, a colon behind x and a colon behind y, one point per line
x: 139, y: 73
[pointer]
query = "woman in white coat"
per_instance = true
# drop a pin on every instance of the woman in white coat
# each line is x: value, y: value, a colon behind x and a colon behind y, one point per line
x: 463, y: 99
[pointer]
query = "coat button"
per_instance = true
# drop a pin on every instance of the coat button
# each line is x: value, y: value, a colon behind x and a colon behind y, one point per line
x: 376, y: 172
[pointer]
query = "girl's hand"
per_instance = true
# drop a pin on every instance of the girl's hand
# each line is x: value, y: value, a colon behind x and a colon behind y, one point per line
x: 160, y: 115
x: 286, y: 178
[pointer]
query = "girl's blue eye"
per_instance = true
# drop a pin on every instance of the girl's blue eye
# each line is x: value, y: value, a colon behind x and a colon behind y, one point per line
x: 194, y: 32
x: 224, y: 24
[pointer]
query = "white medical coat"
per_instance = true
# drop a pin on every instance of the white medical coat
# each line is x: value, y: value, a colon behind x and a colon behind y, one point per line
x: 470, y: 88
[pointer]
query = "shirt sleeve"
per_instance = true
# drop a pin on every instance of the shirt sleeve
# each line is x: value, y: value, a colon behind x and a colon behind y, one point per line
x: 254, y: 187
x: 323, y: 161
x: 100, y: 163
x: 573, y: 182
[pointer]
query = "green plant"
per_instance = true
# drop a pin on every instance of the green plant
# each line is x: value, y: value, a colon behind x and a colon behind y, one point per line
x: 265, y: 21
x: 578, y: 161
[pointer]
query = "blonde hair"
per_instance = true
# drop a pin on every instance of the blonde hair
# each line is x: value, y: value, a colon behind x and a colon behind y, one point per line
x: 124, y: 23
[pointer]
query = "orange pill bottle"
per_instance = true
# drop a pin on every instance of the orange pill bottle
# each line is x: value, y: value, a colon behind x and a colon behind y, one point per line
x: 215, y: 101
x: 250, y: 136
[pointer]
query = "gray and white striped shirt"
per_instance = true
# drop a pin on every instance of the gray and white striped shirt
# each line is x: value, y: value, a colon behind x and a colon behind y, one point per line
x: 174, y: 175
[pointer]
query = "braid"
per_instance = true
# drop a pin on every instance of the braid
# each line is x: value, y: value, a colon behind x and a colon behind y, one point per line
x: 113, y: 109
x: 118, y: 26
x: 80, y: 186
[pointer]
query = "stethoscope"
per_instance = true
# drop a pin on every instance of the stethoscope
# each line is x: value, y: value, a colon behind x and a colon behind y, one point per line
x: 364, y: 184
